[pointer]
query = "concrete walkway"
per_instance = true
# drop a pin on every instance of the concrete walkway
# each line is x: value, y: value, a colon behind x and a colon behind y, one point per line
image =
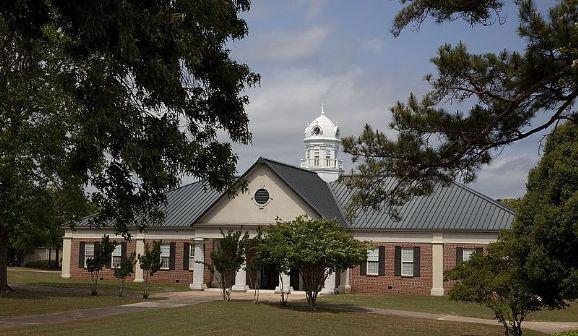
x: 545, y: 327
x: 179, y: 299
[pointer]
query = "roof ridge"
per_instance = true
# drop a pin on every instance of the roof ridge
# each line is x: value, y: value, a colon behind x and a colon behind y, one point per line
x: 261, y: 159
x: 485, y: 197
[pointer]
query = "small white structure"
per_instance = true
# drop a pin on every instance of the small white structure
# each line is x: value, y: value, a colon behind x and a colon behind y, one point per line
x: 321, y: 148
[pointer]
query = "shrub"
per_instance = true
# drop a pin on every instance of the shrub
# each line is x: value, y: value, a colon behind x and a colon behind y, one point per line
x: 37, y: 264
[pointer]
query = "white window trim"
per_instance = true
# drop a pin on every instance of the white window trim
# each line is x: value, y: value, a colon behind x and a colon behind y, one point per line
x: 86, y: 255
x: 166, y: 256
x: 376, y: 251
x: 191, y: 256
x: 407, y: 261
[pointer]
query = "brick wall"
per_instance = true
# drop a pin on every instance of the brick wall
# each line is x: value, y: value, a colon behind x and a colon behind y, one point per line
x: 450, y: 259
x: 389, y: 283
x: 178, y: 275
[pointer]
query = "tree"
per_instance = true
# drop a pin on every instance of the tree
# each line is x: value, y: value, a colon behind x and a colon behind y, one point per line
x: 315, y: 248
x: 102, y: 256
x: 545, y: 230
x: 121, y: 96
x: 512, y: 96
x: 254, y: 264
x: 125, y: 270
x: 533, y: 265
x: 495, y: 281
x: 227, y: 259
x: 150, y: 263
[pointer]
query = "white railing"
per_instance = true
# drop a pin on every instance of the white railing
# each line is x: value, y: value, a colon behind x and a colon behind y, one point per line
x: 322, y: 163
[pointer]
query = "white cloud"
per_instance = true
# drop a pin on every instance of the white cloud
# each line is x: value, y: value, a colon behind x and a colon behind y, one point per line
x: 506, y: 176
x: 373, y: 44
x: 286, y: 46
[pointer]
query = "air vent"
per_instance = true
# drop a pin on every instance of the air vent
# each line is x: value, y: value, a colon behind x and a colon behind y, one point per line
x: 261, y: 196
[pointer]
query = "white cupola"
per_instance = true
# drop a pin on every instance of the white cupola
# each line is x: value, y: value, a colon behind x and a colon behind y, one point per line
x: 321, y: 148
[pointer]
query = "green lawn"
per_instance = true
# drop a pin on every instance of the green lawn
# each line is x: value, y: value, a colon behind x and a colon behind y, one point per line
x: 245, y: 318
x: 45, y: 292
x: 442, y: 305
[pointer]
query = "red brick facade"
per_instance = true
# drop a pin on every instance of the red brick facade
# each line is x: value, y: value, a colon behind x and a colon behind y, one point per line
x: 390, y: 283
x: 387, y: 283
x: 178, y: 275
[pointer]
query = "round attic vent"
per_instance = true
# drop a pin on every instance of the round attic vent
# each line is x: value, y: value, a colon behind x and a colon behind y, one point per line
x: 261, y: 196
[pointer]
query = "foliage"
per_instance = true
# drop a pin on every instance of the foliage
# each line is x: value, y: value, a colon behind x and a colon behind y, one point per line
x: 545, y: 230
x: 494, y: 280
x: 513, y: 203
x: 124, y: 97
x: 227, y: 259
x: 254, y: 264
x: 125, y: 270
x: 314, y: 247
x: 501, y: 97
x: 150, y: 263
x: 102, y: 255
x: 532, y: 266
x: 42, y: 264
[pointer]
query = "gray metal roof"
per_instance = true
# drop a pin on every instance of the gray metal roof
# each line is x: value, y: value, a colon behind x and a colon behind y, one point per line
x: 310, y: 187
x: 455, y: 207
x: 184, y: 205
x: 449, y: 208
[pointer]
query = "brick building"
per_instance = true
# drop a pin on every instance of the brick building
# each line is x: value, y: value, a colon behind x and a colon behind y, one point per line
x: 410, y: 253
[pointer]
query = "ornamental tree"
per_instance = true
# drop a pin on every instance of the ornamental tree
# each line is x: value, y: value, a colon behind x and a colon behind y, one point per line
x: 102, y: 256
x: 125, y: 270
x: 121, y: 96
x: 150, y: 263
x: 227, y: 259
x: 495, y: 281
x: 509, y: 97
x: 314, y: 247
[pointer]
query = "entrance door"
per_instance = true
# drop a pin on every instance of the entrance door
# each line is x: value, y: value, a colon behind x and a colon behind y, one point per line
x: 269, y: 278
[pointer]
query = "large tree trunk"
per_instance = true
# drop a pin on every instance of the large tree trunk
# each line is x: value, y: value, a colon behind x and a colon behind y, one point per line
x: 3, y: 260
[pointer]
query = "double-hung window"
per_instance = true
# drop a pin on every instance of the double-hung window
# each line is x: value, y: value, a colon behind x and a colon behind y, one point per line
x: 191, y: 256
x: 467, y: 253
x: 373, y: 262
x: 116, y: 256
x: 88, y: 252
x: 165, y: 256
x: 407, y: 262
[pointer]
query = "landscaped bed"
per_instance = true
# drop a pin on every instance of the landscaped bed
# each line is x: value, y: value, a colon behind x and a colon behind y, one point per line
x: 441, y: 305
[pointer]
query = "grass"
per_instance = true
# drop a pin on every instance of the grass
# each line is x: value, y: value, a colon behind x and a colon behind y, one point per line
x: 442, y: 305
x: 38, y: 292
x: 244, y: 318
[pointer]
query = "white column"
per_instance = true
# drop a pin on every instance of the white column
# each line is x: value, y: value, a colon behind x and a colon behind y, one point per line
x: 329, y: 286
x: 437, y: 266
x: 139, y: 250
x: 66, y: 255
x: 240, y: 280
x: 285, y: 280
x: 199, y: 267
x: 344, y: 284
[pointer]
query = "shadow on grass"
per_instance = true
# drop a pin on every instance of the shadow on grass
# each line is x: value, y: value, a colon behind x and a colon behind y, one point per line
x: 38, y: 291
x: 333, y: 308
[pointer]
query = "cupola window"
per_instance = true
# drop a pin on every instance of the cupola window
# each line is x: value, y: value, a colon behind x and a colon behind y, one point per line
x: 316, y: 130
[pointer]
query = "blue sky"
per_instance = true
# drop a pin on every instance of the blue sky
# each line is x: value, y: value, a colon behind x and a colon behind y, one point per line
x: 341, y: 54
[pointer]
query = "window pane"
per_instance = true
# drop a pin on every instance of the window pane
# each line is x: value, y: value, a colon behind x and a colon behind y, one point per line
x: 372, y: 267
x: 165, y: 262
x: 407, y: 269
x: 165, y: 250
x: 373, y: 255
x: 117, y: 251
x: 467, y: 253
x: 89, y: 249
x: 116, y: 262
x: 407, y: 254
